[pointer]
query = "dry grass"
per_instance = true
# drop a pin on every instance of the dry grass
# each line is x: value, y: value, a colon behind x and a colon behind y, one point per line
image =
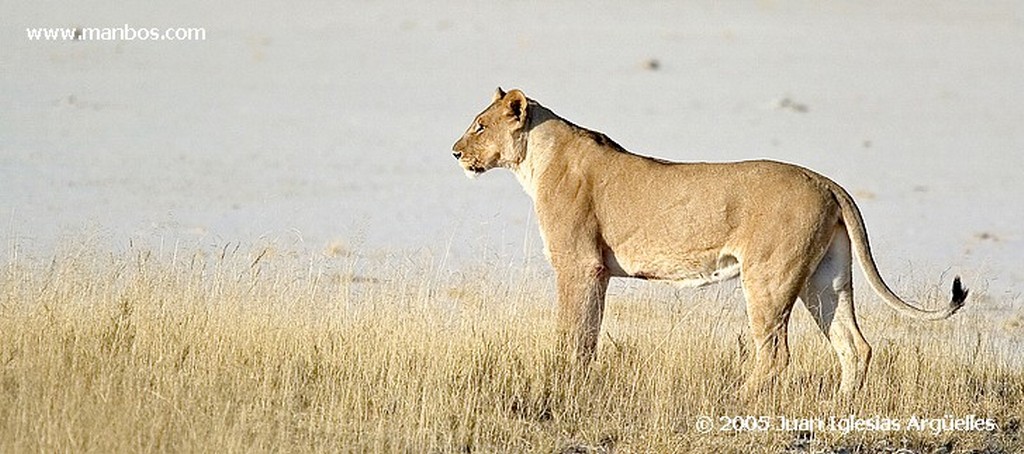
x: 237, y: 351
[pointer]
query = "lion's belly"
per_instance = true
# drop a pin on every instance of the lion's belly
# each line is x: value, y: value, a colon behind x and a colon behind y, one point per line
x: 689, y: 270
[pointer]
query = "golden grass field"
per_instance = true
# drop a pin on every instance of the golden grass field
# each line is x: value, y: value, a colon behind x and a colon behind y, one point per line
x: 242, y: 350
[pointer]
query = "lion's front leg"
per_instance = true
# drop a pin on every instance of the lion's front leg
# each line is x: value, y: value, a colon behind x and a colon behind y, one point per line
x: 581, y: 291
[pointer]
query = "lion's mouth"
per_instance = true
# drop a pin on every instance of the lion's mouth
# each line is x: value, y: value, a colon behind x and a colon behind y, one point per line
x: 473, y: 171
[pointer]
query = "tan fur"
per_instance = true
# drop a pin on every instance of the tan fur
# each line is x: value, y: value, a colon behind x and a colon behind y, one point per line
x: 604, y: 212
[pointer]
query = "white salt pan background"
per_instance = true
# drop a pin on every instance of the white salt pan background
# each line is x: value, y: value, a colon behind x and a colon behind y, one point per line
x: 331, y: 122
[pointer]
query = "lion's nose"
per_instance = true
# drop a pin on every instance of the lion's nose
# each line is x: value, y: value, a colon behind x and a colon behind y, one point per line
x: 457, y: 154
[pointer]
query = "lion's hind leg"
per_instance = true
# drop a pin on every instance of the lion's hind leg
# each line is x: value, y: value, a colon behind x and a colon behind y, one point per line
x: 828, y: 296
x: 769, y: 303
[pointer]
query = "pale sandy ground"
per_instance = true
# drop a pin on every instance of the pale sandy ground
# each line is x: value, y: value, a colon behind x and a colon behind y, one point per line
x: 327, y: 122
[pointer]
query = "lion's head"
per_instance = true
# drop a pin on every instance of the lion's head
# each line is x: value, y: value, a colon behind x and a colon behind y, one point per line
x: 497, y: 136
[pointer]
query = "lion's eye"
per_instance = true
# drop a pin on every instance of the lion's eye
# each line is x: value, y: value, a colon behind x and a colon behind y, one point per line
x: 479, y: 129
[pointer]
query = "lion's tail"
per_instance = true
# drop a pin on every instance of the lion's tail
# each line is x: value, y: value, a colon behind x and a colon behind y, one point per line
x: 859, y: 237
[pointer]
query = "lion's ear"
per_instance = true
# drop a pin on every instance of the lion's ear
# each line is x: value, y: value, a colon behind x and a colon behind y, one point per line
x: 516, y: 102
x: 498, y: 94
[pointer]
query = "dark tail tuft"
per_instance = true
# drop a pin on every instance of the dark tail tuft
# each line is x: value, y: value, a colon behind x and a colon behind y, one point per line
x: 959, y: 294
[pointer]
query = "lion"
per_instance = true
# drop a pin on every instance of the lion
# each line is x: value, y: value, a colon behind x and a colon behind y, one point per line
x: 785, y: 231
